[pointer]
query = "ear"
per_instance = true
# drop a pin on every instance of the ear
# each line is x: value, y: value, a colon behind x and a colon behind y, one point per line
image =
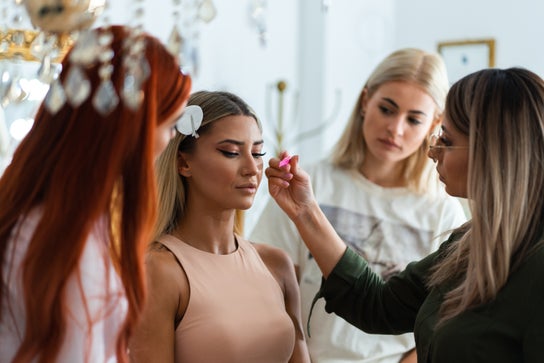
x: 183, y: 167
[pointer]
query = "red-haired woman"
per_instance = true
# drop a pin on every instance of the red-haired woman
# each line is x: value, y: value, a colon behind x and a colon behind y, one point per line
x: 79, y: 204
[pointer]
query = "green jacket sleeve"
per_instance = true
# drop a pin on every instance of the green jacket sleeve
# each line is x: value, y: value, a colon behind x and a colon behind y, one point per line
x: 365, y: 300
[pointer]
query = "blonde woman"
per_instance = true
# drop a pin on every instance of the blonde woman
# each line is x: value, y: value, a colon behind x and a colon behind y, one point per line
x: 214, y: 296
x: 380, y: 193
x: 478, y: 298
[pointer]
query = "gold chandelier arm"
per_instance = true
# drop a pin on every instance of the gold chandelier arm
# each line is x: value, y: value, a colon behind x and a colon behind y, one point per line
x: 17, y: 43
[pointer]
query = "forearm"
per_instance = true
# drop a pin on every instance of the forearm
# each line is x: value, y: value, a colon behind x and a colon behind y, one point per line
x: 320, y: 237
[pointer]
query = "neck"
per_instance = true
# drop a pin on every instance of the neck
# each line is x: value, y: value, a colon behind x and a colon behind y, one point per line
x: 213, y: 234
x: 387, y: 175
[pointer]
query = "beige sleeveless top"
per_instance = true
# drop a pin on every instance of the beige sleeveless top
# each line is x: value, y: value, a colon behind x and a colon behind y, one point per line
x: 236, y: 311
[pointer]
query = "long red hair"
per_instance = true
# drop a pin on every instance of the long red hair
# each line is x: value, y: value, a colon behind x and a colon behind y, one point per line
x: 76, y: 165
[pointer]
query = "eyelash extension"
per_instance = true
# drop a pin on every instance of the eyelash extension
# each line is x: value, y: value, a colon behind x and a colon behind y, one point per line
x: 228, y: 153
x: 385, y: 110
x: 234, y: 154
x: 414, y: 121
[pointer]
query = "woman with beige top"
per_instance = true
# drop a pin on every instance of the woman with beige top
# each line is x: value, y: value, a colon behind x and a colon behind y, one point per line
x: 214, y: 296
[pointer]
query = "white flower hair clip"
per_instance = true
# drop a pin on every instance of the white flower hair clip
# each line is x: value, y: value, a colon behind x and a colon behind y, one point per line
x: 190, y: 121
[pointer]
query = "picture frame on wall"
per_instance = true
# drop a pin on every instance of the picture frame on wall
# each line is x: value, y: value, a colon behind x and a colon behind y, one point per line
x: 463, y: 57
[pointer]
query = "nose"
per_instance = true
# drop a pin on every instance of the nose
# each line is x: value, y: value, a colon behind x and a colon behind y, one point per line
x: 433, y: 153
x: 396, y: 126
x: 251, y: 165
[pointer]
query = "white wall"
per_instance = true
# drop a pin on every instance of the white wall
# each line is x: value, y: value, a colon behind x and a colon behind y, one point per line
x: 359, y: 34
x: 516, y: 27
x: 231, y: 55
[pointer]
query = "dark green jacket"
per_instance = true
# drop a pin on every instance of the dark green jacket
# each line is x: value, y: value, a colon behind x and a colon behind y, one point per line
x: 509, y: 329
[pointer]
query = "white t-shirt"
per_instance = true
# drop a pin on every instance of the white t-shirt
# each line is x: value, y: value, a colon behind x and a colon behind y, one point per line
x: 95, y: 299
x: 390, y: 227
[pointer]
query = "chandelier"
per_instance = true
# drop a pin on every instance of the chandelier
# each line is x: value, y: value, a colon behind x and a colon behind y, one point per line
x: 35, y: 36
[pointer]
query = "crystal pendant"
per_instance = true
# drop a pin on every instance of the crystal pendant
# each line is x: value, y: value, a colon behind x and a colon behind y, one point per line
x: 18, y: 37
x: 46, y: 72
x: 142, y: 71
x: 175, y: 41
x: 4, y: 46
x: 77, y: 86
x: 189, y: 58
x: 6, y: 93
x: 207, y: 11
x: 86, y: 48
x: 16, y: 92
x: 5, y: 83
x: 105, y: 99
x: 56, y: 98
x: 37, y: 48
x: 132, y: 94
x: 51, y: 46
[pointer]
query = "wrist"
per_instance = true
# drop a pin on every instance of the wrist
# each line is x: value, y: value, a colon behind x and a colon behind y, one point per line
x: 309, y: 215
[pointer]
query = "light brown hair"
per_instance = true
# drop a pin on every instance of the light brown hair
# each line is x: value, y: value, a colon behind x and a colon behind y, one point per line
x: 502, y: 113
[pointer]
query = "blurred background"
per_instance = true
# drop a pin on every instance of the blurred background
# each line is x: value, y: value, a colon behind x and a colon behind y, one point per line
x: 299, y: 63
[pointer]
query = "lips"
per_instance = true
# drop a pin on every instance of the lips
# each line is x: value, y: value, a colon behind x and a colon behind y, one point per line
x: 250, y: 187
x: 389, y: 143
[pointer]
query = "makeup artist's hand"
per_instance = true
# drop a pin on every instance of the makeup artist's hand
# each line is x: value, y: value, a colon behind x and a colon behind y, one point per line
x: 289, y: 185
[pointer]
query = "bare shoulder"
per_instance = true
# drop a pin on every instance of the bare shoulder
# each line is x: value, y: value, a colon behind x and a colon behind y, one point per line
x: 161, y: 260
x: 278, y: 262
x: 273, y: 255
x: 166, y: 276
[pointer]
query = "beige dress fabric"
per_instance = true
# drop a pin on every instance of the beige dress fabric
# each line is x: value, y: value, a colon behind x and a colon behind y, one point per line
x: 236, y: 311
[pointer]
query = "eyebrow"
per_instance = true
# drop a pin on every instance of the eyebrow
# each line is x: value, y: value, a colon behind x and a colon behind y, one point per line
x: 239, y: 143
x: 393, y: 103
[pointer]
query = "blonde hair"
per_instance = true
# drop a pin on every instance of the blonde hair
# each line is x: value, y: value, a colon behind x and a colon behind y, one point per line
x: 427, y: 71
x: 171, y: 185
x: 502, y: 112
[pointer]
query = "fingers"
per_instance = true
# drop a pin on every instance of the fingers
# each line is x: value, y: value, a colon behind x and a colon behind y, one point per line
x: 293, y: 162
x: 283, y: 161
x: 278, y: 176
x: 279, y: 171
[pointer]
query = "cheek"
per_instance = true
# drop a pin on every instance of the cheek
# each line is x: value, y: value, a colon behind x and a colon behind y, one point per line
x: 455, y: 170
x: 456, y: 164
x: 413, y: 141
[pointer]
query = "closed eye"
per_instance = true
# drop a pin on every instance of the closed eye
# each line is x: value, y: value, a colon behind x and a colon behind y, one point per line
x: 414, y: 121
x: 231, y: 154
x: 385, y: 110
x: 228, y: 154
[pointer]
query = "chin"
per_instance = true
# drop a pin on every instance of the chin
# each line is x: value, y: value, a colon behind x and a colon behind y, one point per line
x: 245, y: 206
x: 453, y: 192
